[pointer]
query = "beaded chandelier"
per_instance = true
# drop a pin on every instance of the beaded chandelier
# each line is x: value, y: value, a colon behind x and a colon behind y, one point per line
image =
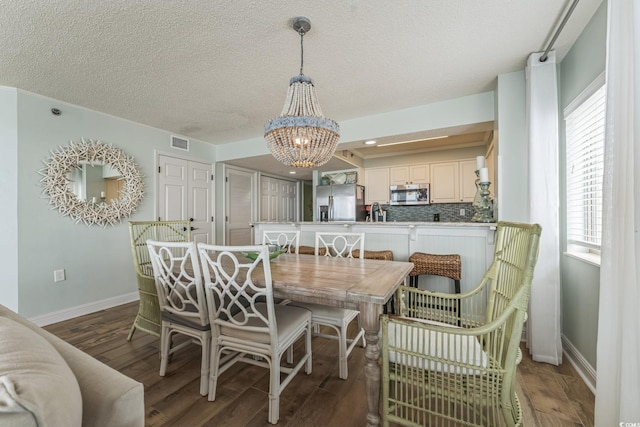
x: 301, y: 137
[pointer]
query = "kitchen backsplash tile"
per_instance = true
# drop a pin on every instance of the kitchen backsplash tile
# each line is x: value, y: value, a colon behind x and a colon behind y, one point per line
x: 448, y: 212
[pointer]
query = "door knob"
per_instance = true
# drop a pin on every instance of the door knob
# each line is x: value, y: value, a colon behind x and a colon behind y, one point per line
x: 191, y: 219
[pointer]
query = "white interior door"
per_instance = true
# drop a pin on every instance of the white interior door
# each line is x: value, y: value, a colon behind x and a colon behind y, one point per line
x: 185, y: 192
x: 240, y: 203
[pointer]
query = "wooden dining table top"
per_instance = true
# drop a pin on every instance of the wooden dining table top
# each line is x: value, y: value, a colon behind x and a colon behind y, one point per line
x: 344, y: 282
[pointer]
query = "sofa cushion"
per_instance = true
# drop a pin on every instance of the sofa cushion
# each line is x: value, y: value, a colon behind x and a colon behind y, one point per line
x: 35, y: 378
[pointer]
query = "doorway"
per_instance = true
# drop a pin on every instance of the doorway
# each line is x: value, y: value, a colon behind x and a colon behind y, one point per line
x: 240, y: 205
x: 185, y: 191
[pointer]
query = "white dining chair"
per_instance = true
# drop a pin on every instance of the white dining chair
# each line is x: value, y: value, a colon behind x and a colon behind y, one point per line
x: 289, y: 240
x: 246, y: 324
x: 337, y: 245
x: 182, y: 301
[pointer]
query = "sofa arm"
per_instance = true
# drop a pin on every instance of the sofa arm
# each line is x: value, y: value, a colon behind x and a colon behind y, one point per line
x: 109, y: 398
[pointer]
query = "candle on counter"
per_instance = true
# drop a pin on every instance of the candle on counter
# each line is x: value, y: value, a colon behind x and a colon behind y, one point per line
x: 93, y: 200
x: 484, y: 175
x: 102, y: 194
x: 479, y: 162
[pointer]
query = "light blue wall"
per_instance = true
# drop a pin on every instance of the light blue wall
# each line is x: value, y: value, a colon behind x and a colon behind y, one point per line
x: 580, y: 281
x: 9, y: 192
x: 97, y: 260
x: 513, y: 157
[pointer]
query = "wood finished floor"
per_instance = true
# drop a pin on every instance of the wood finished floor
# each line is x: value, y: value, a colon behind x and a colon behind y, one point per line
x: 550, y: 395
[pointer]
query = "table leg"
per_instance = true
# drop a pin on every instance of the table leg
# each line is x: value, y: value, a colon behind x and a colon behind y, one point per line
x: 370, y: 321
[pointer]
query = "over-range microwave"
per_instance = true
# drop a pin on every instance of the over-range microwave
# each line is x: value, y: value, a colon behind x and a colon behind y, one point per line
x: 410, y: 194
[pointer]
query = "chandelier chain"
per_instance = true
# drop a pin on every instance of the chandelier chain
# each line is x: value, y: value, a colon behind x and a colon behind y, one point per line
x: 301, y: 31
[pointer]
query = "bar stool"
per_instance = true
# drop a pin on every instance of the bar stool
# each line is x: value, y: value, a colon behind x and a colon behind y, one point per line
x: 381, y: 255
x: 438, y: 265
x: 309, y: 250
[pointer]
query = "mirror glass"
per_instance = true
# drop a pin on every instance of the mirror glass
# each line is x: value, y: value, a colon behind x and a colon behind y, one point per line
x: 97, y: 183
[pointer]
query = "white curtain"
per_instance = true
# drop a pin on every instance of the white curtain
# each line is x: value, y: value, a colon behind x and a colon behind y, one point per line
x: 543, y: 326
x: 618, y: 353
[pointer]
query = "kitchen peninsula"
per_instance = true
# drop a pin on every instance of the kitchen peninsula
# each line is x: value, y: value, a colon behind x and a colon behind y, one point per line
x: 474, y: 242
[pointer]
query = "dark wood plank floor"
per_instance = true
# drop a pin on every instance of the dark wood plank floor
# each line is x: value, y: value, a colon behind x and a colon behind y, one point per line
x: 550, y: 395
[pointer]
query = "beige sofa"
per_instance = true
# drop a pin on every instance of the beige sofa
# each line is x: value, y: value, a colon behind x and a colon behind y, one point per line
x: 45, y: 381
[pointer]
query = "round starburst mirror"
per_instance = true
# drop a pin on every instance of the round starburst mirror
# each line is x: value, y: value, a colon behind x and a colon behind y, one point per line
x: 92, y: 182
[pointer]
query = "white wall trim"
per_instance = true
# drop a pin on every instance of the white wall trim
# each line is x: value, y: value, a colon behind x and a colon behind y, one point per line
x: 81, y: 310
x: 584, y: 369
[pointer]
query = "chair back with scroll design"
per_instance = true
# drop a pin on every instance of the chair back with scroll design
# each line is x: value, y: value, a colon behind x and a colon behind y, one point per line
x: 340, y: 244
x: 148, y: 318
x: 246, y: 322
x: 182, y: 301
x: 289, y: 240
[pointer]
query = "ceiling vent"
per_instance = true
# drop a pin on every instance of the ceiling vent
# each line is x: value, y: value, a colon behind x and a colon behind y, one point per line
x: 179, y: 143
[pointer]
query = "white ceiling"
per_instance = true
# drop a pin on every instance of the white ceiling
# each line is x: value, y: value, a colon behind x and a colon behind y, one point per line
x: 217, y: 70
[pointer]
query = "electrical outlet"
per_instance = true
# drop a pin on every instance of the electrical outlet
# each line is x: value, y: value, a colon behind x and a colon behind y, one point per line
x: 462, y: 212
x: 58, y: 275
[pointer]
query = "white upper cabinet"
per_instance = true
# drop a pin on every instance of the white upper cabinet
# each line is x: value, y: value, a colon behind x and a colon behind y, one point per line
x: 414, y: 174
x: 453, y: 182
x: 467, y: 180
x: 399, y: 175
x: 445, y: 187
x: 376, y: 181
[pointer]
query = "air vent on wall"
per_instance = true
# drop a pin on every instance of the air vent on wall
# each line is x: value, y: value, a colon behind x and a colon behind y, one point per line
x: 179, y: 143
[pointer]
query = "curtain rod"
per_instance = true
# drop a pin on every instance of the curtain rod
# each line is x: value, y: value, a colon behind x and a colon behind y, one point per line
x: 544, y: 56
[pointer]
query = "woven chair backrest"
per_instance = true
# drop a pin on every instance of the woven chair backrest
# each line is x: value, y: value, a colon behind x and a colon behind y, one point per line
x: 340, y: 245
x: 160, y: 231
x: 285, y: 239
x: 513, y: 263
x: 233, y: 296
x: 178, y: 279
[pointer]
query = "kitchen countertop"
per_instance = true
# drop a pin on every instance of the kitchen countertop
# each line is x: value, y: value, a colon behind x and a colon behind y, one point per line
x: 391, y: 223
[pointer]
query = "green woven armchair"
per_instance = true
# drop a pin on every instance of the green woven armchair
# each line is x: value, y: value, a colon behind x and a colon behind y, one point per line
x: 438, y: 373
x: 148, y: 318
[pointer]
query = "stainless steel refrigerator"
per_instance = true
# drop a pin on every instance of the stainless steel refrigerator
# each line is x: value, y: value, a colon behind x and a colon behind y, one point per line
x: 341, y: 202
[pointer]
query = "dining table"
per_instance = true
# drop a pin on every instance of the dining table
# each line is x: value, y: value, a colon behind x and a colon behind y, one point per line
x: 365, y: 285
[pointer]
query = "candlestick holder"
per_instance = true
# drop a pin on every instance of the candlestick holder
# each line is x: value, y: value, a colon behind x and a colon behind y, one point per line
x: 485, y: 208
x: 477, y: 200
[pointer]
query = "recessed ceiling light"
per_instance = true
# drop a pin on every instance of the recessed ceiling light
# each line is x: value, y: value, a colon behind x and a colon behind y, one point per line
x: 370, y: 142
x: 415, y: 140
x: 292, y: 172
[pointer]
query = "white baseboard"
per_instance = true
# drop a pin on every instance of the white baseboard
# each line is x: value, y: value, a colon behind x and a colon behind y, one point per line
x: 81, y: 310
x: 584, y: 369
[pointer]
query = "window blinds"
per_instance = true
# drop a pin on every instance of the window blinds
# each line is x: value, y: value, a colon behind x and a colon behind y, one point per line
x: 585, y: 161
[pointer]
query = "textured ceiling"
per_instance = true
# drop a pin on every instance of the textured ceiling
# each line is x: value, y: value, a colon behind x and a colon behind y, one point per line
x: 217, y: 70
